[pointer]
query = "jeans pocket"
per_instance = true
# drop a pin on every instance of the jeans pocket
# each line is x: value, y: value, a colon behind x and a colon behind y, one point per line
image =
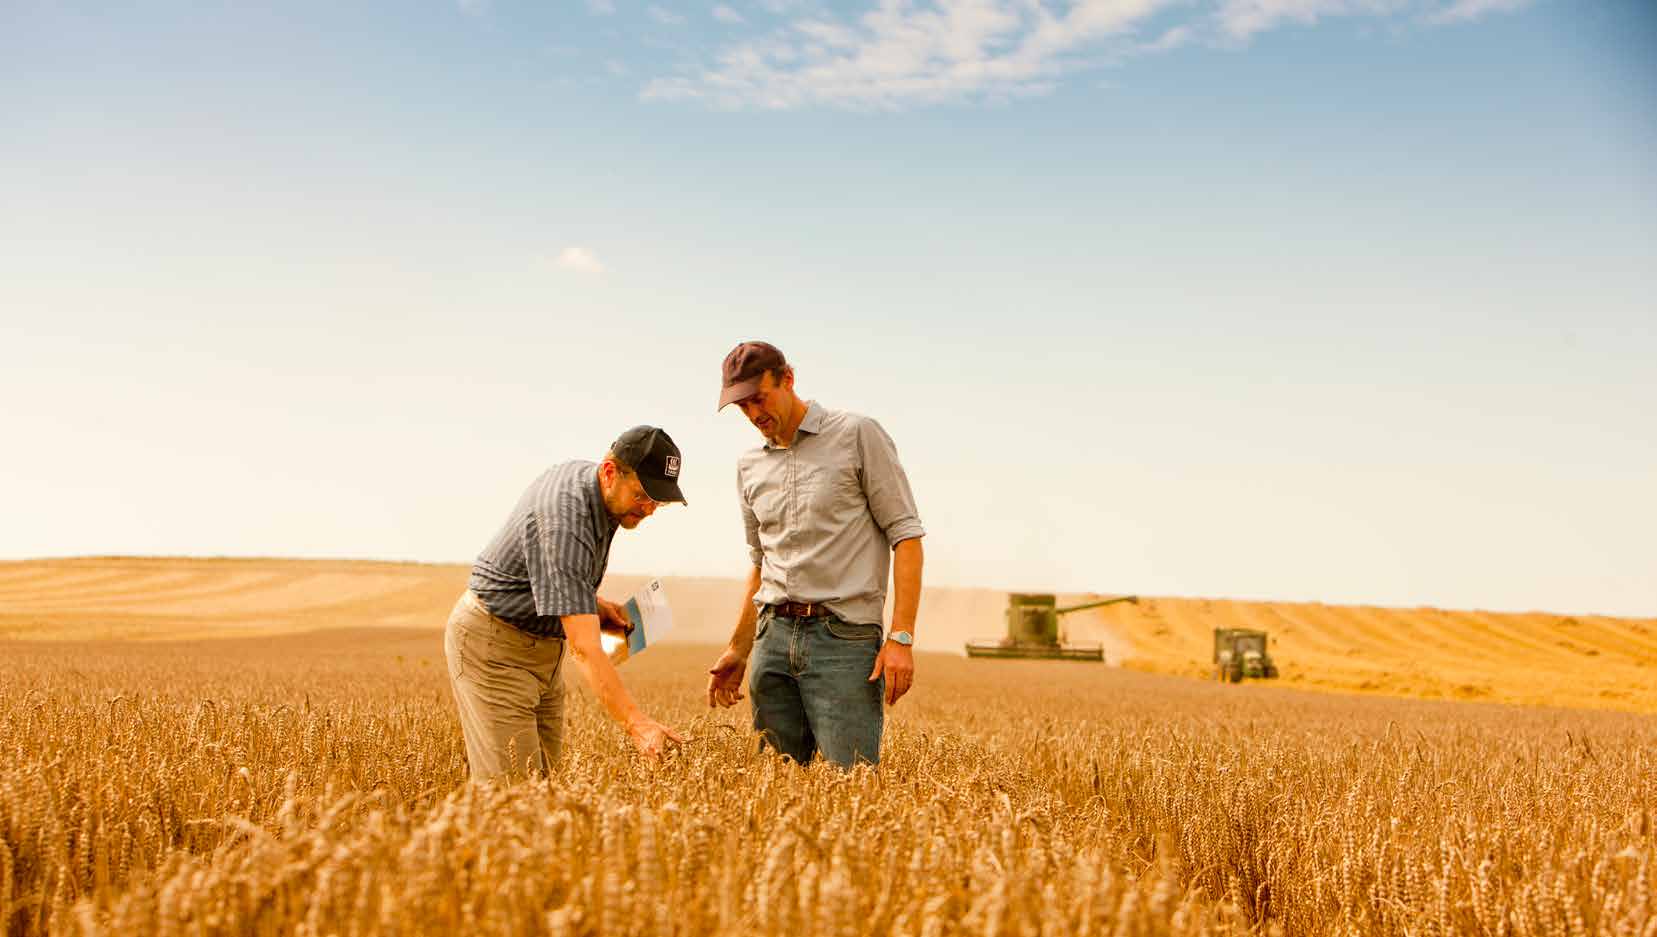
x: 765, y: 617
x: 847, y: 631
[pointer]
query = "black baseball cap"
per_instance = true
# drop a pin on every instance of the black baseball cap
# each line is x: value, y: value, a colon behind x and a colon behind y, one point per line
x: 652, y: 454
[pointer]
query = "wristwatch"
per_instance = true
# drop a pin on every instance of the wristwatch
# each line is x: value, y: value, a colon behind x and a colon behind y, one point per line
x: 905, y: 638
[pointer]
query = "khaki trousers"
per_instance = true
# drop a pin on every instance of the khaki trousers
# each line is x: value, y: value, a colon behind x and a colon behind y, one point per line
x: 509, y: 691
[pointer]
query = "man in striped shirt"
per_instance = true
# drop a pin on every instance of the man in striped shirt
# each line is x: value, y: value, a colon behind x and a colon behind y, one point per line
x: 533, y: 592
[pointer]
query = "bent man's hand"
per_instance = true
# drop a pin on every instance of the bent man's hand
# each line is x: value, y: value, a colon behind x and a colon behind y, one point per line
x: 651, y: 738
x: 725, y: 679
x: 897, y: 662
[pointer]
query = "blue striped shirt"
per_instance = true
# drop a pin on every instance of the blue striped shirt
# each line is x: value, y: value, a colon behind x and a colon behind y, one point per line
x: 549, y: 558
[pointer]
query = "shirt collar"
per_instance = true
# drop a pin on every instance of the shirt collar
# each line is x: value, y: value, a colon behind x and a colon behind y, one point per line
x: 811, y: 423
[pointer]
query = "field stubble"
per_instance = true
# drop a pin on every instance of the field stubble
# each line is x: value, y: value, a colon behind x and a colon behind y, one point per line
x: 314, y: 784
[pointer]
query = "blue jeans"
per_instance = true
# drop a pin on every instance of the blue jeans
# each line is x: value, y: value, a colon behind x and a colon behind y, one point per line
x: 809, y: 679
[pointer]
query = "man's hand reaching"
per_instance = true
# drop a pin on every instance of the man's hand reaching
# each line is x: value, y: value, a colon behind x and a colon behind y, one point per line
x: 652, y: 738
x: 725, y: 679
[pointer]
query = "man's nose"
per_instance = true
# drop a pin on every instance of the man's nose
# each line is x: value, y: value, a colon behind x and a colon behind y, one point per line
x: 649, y: 508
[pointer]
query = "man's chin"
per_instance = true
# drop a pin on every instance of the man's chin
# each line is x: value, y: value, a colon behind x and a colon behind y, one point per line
x: 629, y: 522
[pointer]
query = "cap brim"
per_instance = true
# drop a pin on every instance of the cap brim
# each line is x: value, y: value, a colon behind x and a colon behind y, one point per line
x: 662, y: 489
x: 736, y: 392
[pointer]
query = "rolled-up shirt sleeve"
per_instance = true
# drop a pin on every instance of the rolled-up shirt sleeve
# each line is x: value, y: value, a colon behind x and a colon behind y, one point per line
x: 558, y: 558
x: 750, y: 522
x: 885, y: 485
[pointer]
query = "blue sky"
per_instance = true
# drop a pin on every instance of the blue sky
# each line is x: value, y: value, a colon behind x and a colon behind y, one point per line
x: 1347, y: 300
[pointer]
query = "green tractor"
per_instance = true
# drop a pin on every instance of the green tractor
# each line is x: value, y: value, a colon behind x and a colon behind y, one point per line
x: 1241, y: 652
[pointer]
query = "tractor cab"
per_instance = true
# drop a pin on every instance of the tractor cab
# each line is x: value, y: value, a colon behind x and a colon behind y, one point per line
x: 1241, y: 652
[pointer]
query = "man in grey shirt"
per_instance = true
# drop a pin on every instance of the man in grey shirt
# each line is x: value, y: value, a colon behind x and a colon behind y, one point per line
x: 534, y: 589
x: 828, y: 513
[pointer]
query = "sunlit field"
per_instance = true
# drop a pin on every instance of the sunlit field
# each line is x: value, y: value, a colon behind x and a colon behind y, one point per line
x: 315, y: 784
x: 1535, y: 658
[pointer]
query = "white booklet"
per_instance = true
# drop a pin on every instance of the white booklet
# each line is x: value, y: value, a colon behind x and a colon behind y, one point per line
x: 651, y: 617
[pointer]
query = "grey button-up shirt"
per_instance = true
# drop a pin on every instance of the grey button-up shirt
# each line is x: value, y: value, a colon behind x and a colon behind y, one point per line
x: 823, y: 515
x: 548, y: 559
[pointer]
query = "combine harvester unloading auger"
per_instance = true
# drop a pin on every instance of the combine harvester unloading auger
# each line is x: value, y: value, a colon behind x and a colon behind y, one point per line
x: 1033, y: 629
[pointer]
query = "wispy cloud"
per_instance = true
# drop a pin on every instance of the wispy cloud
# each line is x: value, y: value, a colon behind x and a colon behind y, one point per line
x: 1171, y: 38
x: 601, y: 7
x: 579, y: 260
x: 473, y: 7
x: 904, y: 53
x: 1240, y: 19
x: 725, y: 14
x: 665, y: 16
x: 1463, y: 11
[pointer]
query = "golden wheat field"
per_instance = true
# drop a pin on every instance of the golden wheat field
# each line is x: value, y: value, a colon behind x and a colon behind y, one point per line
x: 313, y: 783
x: 1534, y: 658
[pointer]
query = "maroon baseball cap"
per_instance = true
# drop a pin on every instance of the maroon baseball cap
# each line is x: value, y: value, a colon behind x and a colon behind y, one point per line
x: 744, y: 367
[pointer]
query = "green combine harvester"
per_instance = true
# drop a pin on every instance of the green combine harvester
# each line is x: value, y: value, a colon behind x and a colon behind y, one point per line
x: 1033, y: 630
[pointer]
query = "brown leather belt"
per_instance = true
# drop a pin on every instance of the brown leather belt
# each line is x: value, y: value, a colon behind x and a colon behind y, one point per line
x: 801, y: 609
